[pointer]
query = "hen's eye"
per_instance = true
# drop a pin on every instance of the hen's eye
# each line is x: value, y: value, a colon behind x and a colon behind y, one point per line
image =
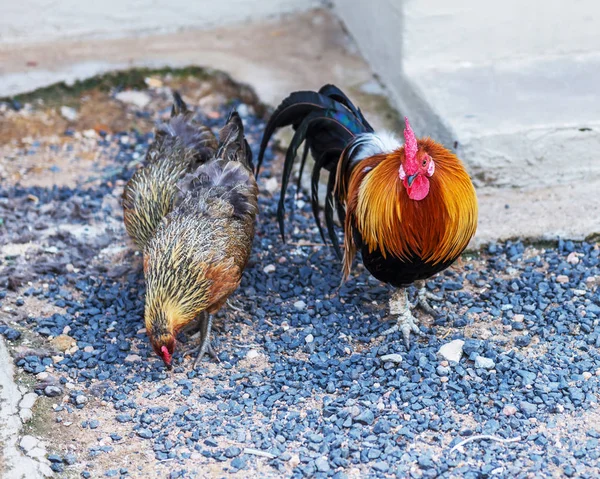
x: 424, y: 162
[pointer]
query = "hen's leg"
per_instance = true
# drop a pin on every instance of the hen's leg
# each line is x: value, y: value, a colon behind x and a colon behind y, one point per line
x: 205, y: 328
x: 406, y: 322
x: 423, y: 295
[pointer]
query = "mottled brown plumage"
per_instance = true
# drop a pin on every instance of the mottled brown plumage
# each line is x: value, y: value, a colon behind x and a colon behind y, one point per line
x: 180, y: 146
x: 196, y: 258
x: 192, y: 212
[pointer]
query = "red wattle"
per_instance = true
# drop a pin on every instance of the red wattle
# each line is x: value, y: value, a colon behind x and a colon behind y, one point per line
x: 419, y: 188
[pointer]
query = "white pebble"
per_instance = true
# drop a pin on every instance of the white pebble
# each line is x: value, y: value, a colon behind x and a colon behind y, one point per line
x: 270, y: 268
x: 391, y: 358
x: 587, y: 375
x: 299, y: 305
x: 68, y: 113
x: 484, y: 363
x: 271, y: 185
x: 131, y: 358
x: 309, y: 338
x: 452, y: 351
x: 509, y: 410
x: 252, y: 354
x: 137, y: 98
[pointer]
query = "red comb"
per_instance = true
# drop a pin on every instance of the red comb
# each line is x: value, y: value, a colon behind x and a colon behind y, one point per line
x: 166, y: 354
x: 410, y: 143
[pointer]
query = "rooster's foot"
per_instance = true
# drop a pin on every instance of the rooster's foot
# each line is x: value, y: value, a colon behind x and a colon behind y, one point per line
x: 422, y: 297
x: 406, y: 322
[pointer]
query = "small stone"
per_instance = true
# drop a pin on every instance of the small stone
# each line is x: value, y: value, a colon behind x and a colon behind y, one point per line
x: 88, y: 349
x: 52, y: 391
x: 294, y: 460
x: 271, y: 185
x: 366, y: 417
x: 132, y: 358
x: 452, y: 351
x: 561, y: 278
x: 81, y: 399
x: 239, y: 463
x: 586, y: 375
x: 252, y: 354
x: 63, y: 342
x: 300, y: 305
x: 391, y: 358
x: 68, y: 113
x: 232, y: 451
x: 442, y: 371
x: 54, y: 458
x: 484, y: 363
x: 509, y: 410
x: 270, y: 268
x: 573, y: 258
x: 144, y: 433
x: 28, y: 401
x: 132, y: 97
x: 70, y: 459
x: 527, y: 408
x: 309, y: 338
x: 444, y: 379
x: 322, y: 464
x: 153, y: 82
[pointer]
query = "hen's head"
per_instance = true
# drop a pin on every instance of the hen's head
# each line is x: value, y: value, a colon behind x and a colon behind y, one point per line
x: 417, y: 167
x: 163, y: 343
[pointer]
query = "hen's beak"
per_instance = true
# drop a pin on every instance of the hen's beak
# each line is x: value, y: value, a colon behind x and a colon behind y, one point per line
x: 411, y: 178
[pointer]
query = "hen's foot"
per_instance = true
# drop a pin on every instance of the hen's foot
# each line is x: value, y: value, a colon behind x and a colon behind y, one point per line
x: 422, y: 300
x: 205, y: 347
x: 406, y: 323
x: 235, y: 305
x: 202, y: 349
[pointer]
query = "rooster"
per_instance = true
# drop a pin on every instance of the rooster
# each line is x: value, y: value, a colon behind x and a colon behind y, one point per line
x: 410, y: 209
x: 193, y: 215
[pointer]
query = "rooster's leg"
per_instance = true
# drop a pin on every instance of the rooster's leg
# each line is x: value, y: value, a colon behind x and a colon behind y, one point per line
x: 204, y: 347
x: 423, y: 296
x: 406, y: 322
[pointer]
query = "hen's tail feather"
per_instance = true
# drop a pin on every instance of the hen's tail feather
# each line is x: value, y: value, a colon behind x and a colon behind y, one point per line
x: 232, y: 143
x: 179, y: 106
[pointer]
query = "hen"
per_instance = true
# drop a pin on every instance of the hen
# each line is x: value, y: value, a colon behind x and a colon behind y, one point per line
x: 194, y: 255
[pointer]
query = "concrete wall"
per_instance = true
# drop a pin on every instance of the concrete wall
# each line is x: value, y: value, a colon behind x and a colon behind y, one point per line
x: 45, y: 20
x: 511, y: 85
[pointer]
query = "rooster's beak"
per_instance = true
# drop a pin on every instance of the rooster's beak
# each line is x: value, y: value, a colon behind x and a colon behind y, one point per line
x: 411, y: 178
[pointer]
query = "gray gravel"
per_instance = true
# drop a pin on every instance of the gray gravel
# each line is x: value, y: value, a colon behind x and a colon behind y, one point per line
x: 303, y: 372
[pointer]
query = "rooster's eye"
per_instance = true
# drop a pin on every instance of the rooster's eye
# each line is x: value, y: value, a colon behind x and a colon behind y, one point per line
x: 424, y: 162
